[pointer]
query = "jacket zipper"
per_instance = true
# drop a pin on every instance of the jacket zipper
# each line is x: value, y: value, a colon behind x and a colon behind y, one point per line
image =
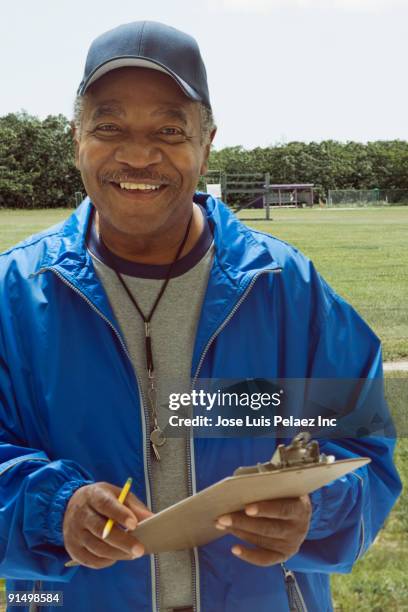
x: 145, y: 422
x: 231, y: 314
x: 361, y: 549
x: 36, y: 589
x: 190, y: 441
x: 295, y: 597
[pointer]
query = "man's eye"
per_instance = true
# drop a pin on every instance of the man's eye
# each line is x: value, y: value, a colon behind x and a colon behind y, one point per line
x: 171, y: 131
x: 107, y: 127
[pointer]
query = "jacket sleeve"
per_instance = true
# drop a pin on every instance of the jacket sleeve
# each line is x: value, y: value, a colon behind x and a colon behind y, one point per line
x: 34, y: 492
x: 348, y: 513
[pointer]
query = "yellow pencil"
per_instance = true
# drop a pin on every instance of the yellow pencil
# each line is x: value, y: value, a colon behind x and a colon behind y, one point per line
x: 122, y: 496
x: 110, y: 522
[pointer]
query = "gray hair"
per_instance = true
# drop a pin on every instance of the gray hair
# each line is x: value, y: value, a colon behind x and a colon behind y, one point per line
x: 206, y: 118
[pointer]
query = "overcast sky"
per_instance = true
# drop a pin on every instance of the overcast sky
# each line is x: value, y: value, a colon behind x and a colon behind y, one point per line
x: 279, y: 70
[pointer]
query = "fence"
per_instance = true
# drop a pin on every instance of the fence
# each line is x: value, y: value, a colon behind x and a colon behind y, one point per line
x: 367, y: 197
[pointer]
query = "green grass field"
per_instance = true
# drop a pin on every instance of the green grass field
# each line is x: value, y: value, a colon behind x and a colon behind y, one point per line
x: 363, y: 254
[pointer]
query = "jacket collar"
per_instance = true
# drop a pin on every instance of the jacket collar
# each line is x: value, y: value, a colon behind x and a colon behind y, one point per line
x: 238, y: 257
x: 238, y: 252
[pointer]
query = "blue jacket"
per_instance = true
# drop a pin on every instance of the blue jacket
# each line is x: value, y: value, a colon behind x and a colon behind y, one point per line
x: 71, y: 413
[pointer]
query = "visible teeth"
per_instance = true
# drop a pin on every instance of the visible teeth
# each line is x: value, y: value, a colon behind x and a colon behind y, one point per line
x: 142, y: 186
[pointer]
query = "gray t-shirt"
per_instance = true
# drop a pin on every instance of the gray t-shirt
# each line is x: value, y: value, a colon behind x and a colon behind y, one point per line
x: 173, y: 329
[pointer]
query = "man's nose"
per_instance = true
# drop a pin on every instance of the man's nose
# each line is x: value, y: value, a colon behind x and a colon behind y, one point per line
x: 138, y: 152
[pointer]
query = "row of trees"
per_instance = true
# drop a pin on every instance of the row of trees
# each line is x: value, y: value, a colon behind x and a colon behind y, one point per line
x: 37, y: 163
x: 328, y: 164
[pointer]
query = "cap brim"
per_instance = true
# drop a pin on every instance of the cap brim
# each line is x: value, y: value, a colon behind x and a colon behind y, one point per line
x: 136, y: 62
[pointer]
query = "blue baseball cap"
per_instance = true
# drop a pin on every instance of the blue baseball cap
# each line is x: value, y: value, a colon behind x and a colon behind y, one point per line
x: 149, y: 44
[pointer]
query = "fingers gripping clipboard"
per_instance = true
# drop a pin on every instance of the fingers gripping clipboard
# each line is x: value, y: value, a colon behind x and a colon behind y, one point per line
x: 294, y: 470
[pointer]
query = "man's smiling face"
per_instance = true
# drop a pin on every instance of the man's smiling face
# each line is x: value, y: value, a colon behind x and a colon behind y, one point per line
x: 140, y: 150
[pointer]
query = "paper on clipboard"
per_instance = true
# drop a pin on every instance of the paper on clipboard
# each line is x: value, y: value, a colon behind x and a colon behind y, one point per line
x: 190, y: 522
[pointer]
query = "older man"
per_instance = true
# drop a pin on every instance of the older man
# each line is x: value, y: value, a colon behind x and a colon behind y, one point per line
x: 147, y: 285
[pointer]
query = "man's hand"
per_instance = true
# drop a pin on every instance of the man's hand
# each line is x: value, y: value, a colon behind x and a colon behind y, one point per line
x: 277, y: 528
x: 85, y: 518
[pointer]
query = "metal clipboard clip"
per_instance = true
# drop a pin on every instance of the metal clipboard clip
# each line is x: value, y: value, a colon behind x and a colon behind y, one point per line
x: 301, y: 452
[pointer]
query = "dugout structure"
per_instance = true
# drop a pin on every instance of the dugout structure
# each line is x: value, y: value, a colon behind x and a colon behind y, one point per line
x: 293, y: 194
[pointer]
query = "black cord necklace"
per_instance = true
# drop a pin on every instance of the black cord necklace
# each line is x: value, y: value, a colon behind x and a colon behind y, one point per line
x: 157, y: 437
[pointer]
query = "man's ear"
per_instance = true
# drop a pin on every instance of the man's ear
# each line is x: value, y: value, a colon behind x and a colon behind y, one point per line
x: 207, y: 149
x: 75, y: 138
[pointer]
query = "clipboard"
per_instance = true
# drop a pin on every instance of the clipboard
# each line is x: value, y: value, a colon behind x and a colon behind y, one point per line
x: 294, y: 470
